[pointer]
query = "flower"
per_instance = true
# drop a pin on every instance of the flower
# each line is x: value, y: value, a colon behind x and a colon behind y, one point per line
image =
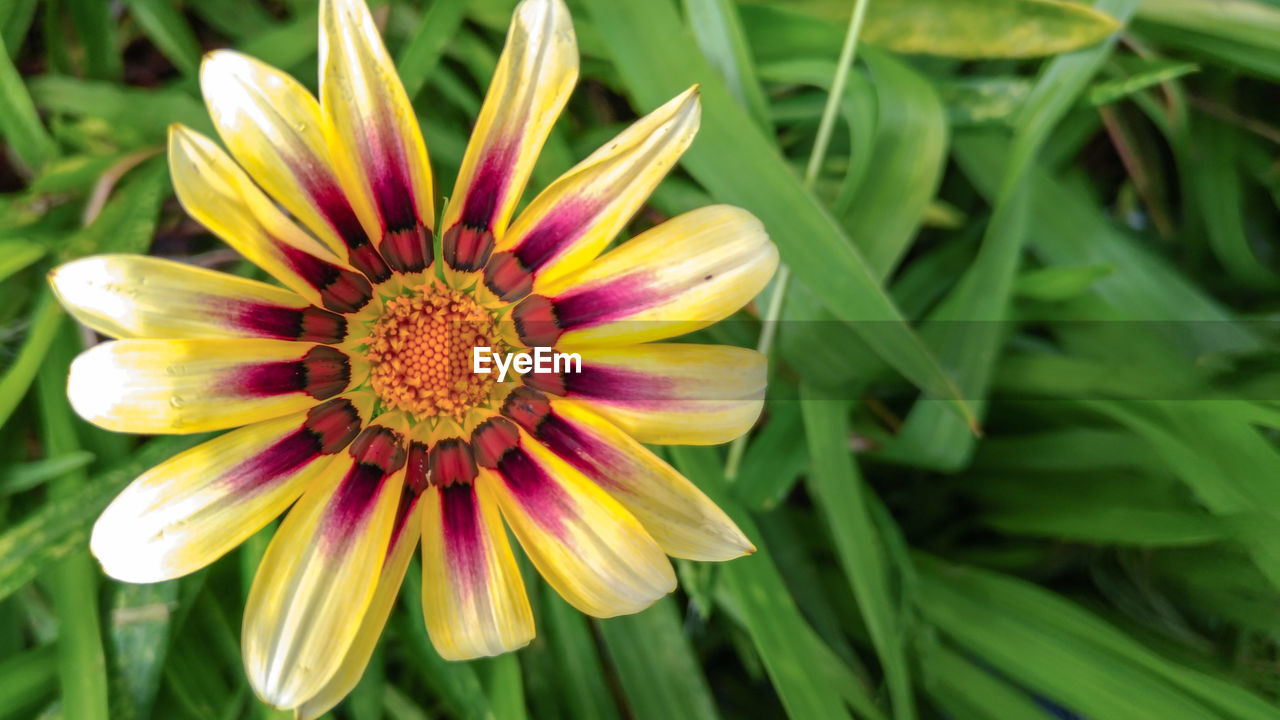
x: 352, y: 386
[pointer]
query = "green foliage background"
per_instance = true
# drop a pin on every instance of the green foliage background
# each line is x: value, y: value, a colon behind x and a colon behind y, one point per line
x: 1060, y: 226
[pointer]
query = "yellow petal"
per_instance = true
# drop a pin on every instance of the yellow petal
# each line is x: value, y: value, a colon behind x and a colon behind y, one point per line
x: 135, y: 296
x: 677, y: 514
x: 575, y: 218
x: 274, y: 129
x: 320, y: 572
x: 667, y: 393
x: 404, y: 538
x: 535, y: 75
x: 472, y: 595
x: 218, y: 194
x: 682, y: 275
x: 373, y: 135
x: 587, y: 546
x: 187, y: 386
x: 191, y: 509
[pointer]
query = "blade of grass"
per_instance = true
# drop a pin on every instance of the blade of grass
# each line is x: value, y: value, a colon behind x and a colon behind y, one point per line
x: 94, y: 27
x: 839, y: 490
x: 42, y: 330
x: 656, y: 665
x: 420, y: 56
x: 968, y: 327
x: 585, y: 691
x: 20, y: 126
x: 29, y: 677
x: 785, y: 641
x: 719, y: 34
x: 168, y: 29
x: 739, y: 165
x: 73, y: 580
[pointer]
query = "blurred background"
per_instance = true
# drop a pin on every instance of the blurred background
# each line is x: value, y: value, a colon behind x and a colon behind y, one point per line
x: 1019, y: 458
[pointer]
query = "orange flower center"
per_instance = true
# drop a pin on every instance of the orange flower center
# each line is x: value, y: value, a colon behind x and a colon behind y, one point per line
x: 421, y: 352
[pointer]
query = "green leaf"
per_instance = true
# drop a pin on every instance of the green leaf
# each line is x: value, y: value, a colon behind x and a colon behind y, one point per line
x: 1058, y: 283
x: 739, y: 165
x: 719, y: 34
x: 1240, y: 33
x: 839, y: 492
x: 958, y: 28
x: 16, y: 255
x: 1044, y: 641
x: 61, y: 526
x: 422, y: 54
x: 29, y: 678
x: 139, y: 632
x: 585, y: 690
x: 166, y: 27
x: 656, y: 665
x: 785, y: 641
x: 20, y: 126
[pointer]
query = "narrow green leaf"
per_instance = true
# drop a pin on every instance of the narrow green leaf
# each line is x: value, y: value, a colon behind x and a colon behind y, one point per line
x: 1152, y: 73
x: 29, y: 677
x: 95, y: 28
x: 719, y: 34
x: 957, y: 28
x: 15, y: 255
x: 166, y: 27
x: 1047, y: 642
x: 62, y: 526
x: 741, y: 166
x: 767, y: 610
x: 656, y: 665
x: 139, y: 632
x: 585, y: 690
x: 1058, y: 283
x: 20, y: 126
x: 73, y: 581
x: 422, y: 54
x: 839, y: 492
x: 46, y: 318
x: 20, y: 477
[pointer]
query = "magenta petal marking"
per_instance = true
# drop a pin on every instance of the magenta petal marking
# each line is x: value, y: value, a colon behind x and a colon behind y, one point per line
x: 539, y: 495
x: 617, y: 384
x: 391, y: 187
x: 554, y: 233
x: 463, y: 538
x: 353, y: 502
x: 322, y: 373
x: 340, y: 290
x: 309, y: 324
x: 489, y: 187
x: 608, y: 301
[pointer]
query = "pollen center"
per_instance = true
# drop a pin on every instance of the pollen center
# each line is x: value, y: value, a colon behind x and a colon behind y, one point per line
x: 421, y: 350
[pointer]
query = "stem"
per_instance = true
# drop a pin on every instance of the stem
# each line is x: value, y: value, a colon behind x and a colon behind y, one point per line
x: 826, y: 126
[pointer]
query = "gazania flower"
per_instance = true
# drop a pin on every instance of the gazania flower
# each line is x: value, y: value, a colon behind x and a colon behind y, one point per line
x: 353, y: 385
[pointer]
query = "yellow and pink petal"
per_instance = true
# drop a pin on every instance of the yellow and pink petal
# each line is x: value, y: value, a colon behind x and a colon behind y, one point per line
x: 191, y: 509
x: 677, y: 514
x: 136, y: 296
x: 373, y: 136
x: 535, y: 75
x: 188, y: 386
x: 404, y: 539
x: 473, y: 598
x: 667, y: 393
x: 685, y: 274
x: 574, y: 219
x: 321, y: 570
x: 218, y: 194
x: 583, y: 542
